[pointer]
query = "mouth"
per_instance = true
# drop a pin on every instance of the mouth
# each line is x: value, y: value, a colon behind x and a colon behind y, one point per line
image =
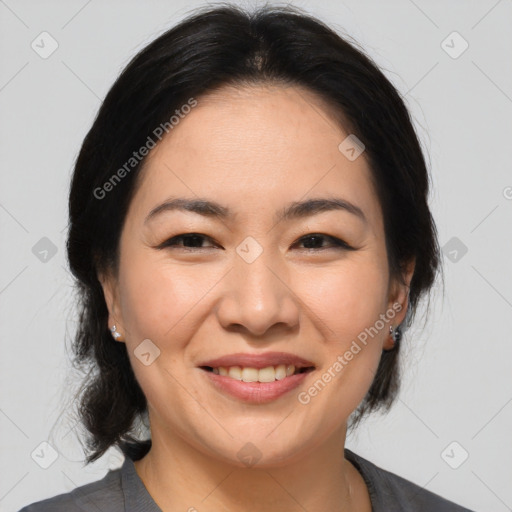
x: 257, y: 378
x: 251, y: 374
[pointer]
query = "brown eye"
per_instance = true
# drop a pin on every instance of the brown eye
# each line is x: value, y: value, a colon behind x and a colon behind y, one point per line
x: 312, y: 242
x: 315, y: 241
x: 189, y: 241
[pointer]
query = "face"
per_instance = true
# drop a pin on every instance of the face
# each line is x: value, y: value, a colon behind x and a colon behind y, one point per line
x: 251, y: 287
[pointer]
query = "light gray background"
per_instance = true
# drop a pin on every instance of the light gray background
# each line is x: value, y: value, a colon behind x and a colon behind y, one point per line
x: 457, y: 383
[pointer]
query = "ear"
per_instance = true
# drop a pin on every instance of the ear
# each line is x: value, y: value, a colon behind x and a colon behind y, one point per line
x: 110, y: 287
x: 398, y: 299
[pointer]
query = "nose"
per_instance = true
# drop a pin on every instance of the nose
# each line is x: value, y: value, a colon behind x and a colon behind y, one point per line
x: 258, y: 297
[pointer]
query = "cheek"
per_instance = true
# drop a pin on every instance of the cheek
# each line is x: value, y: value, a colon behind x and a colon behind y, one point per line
x: 164, y: 301
x: 347, y: 302
x: 157, y: 301
x: 154, y: 297
x: 347, y: 299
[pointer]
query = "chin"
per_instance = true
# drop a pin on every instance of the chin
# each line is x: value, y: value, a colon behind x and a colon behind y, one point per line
x: 259, y: 452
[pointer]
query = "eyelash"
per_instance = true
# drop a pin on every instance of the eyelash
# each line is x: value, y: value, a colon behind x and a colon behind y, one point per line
x: 336, y: 242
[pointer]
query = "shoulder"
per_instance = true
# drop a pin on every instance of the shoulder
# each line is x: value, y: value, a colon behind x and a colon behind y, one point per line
x: 104, y: 494
x: 389, y: 491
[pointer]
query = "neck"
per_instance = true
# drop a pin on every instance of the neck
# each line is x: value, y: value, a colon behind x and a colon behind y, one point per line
x: 180, y: 477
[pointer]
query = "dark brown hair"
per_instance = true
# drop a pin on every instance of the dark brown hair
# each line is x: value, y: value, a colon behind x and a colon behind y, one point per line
x: 213, y: 47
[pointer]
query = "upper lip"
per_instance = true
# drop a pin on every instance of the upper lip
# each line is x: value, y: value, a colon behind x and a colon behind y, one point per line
x: 257, y: 360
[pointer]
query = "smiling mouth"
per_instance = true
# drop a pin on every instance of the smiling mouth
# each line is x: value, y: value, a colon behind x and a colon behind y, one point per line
x: 267, y: 374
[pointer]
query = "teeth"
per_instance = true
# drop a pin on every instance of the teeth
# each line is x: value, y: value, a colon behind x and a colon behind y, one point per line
x: 235, y: 372
x: 250, y: 375
x: 268, y: 374
x: 281, y: 372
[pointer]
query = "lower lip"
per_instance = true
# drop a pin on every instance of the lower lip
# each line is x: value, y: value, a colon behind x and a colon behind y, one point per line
x: 256, y: 392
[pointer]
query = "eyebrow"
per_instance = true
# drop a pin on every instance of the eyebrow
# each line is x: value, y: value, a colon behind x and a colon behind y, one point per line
x: 294, y: 210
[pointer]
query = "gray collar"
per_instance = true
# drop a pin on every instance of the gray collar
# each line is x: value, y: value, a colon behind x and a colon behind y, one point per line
x: 137, y: 497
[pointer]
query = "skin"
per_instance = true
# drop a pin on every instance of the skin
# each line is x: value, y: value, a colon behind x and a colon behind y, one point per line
x: 253, y: 149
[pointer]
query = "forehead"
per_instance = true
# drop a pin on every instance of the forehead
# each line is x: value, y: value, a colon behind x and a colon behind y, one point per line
x: 252, y: 147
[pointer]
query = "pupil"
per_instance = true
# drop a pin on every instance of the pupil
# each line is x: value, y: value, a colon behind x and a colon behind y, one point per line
x: 314, y: 238
x: 193, y: 238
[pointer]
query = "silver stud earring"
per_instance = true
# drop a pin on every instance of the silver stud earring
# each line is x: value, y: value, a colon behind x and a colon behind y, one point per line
x: 114, y: 332
x: 396, y: 334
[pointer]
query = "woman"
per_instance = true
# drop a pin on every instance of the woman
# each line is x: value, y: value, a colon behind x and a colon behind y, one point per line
x: 250, y: 232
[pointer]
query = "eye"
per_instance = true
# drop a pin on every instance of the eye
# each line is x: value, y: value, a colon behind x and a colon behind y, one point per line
x: 314, y: 241
x: 190, y: 241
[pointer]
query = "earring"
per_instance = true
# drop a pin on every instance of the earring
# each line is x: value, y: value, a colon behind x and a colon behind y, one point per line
x: 396, y: 336
x: 114, y: 332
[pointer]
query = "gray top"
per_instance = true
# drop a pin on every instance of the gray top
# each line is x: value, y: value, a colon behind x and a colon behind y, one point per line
x: 122, y: 490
